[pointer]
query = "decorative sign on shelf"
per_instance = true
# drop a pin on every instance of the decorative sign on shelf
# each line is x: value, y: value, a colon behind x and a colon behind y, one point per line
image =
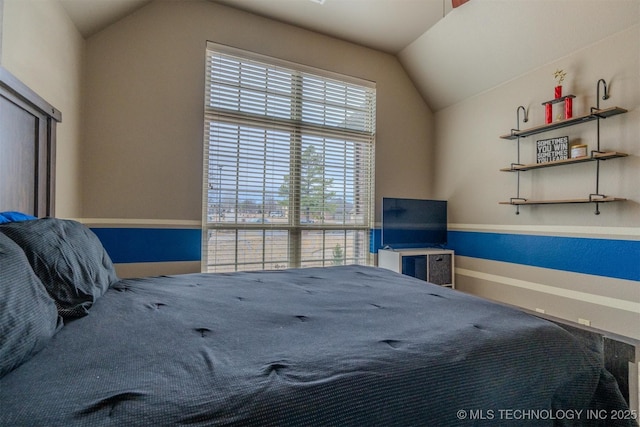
x: 549, y: 150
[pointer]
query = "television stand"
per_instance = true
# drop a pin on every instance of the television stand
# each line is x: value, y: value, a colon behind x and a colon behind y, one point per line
x: 430, y: 264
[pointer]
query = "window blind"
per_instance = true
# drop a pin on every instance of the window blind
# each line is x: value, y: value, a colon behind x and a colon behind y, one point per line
x: 289, y: 164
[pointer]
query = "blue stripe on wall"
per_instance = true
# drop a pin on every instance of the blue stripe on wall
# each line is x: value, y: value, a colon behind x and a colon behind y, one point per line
x: 602, y: 257
x: 128, y: 245
x: 375, y: 240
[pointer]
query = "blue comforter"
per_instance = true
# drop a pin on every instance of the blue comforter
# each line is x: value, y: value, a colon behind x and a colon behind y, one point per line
x: 336, y: 346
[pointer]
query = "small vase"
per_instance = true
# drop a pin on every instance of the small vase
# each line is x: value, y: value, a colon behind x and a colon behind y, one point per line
x: 558, y: 92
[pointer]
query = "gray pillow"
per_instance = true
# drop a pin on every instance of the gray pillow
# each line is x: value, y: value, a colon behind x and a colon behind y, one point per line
x: 69, y: 260
x: 28, y: 316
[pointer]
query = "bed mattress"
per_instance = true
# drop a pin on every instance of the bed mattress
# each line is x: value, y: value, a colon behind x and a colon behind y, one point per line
x: 347, y: 345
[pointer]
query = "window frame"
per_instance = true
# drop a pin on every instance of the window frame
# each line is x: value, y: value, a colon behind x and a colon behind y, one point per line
x: 294, y: 228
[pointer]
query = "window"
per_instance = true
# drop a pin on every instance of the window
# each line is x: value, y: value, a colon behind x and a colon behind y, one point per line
x: 288, y: 164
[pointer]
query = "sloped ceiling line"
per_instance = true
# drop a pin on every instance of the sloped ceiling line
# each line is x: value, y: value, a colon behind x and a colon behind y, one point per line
x: 488, y: 42
x: 450, y: 54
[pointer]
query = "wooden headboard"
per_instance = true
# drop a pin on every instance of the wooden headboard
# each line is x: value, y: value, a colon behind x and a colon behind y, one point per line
x: 27, y: 149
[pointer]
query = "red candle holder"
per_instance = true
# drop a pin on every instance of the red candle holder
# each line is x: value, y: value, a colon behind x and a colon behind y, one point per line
x: 568, y: 108
x: 558, y: 91
x: 548, y: 113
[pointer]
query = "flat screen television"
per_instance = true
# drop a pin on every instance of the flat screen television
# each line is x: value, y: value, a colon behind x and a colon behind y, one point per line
x: 413, y: 223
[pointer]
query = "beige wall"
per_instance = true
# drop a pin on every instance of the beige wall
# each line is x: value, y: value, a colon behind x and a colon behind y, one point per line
x: 144, y: 106
x: 42, y: 48
x: 1, y: 26
x: 470, y: 153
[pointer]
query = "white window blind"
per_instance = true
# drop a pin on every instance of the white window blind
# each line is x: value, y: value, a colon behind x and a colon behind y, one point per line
x: 289, y: 164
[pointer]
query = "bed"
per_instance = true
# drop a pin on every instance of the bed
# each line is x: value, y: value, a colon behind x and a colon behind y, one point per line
x: 348, y: 345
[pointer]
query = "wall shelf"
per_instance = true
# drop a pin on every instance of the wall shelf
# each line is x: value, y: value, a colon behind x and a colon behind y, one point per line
x: 594, y: 115
x: 518, y: 202
x: 594, y: 157
x: 597, y: 155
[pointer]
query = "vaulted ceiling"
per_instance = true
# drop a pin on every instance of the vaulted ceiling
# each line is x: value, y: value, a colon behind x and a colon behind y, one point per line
x: 450, y: 54
x: 371, y: 23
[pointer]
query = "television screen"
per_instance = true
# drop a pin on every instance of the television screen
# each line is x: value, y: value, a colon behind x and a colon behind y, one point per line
x: 413, y: 223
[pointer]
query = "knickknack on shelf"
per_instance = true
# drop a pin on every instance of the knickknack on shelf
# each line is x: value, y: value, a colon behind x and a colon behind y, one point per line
x: 553, y: 152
